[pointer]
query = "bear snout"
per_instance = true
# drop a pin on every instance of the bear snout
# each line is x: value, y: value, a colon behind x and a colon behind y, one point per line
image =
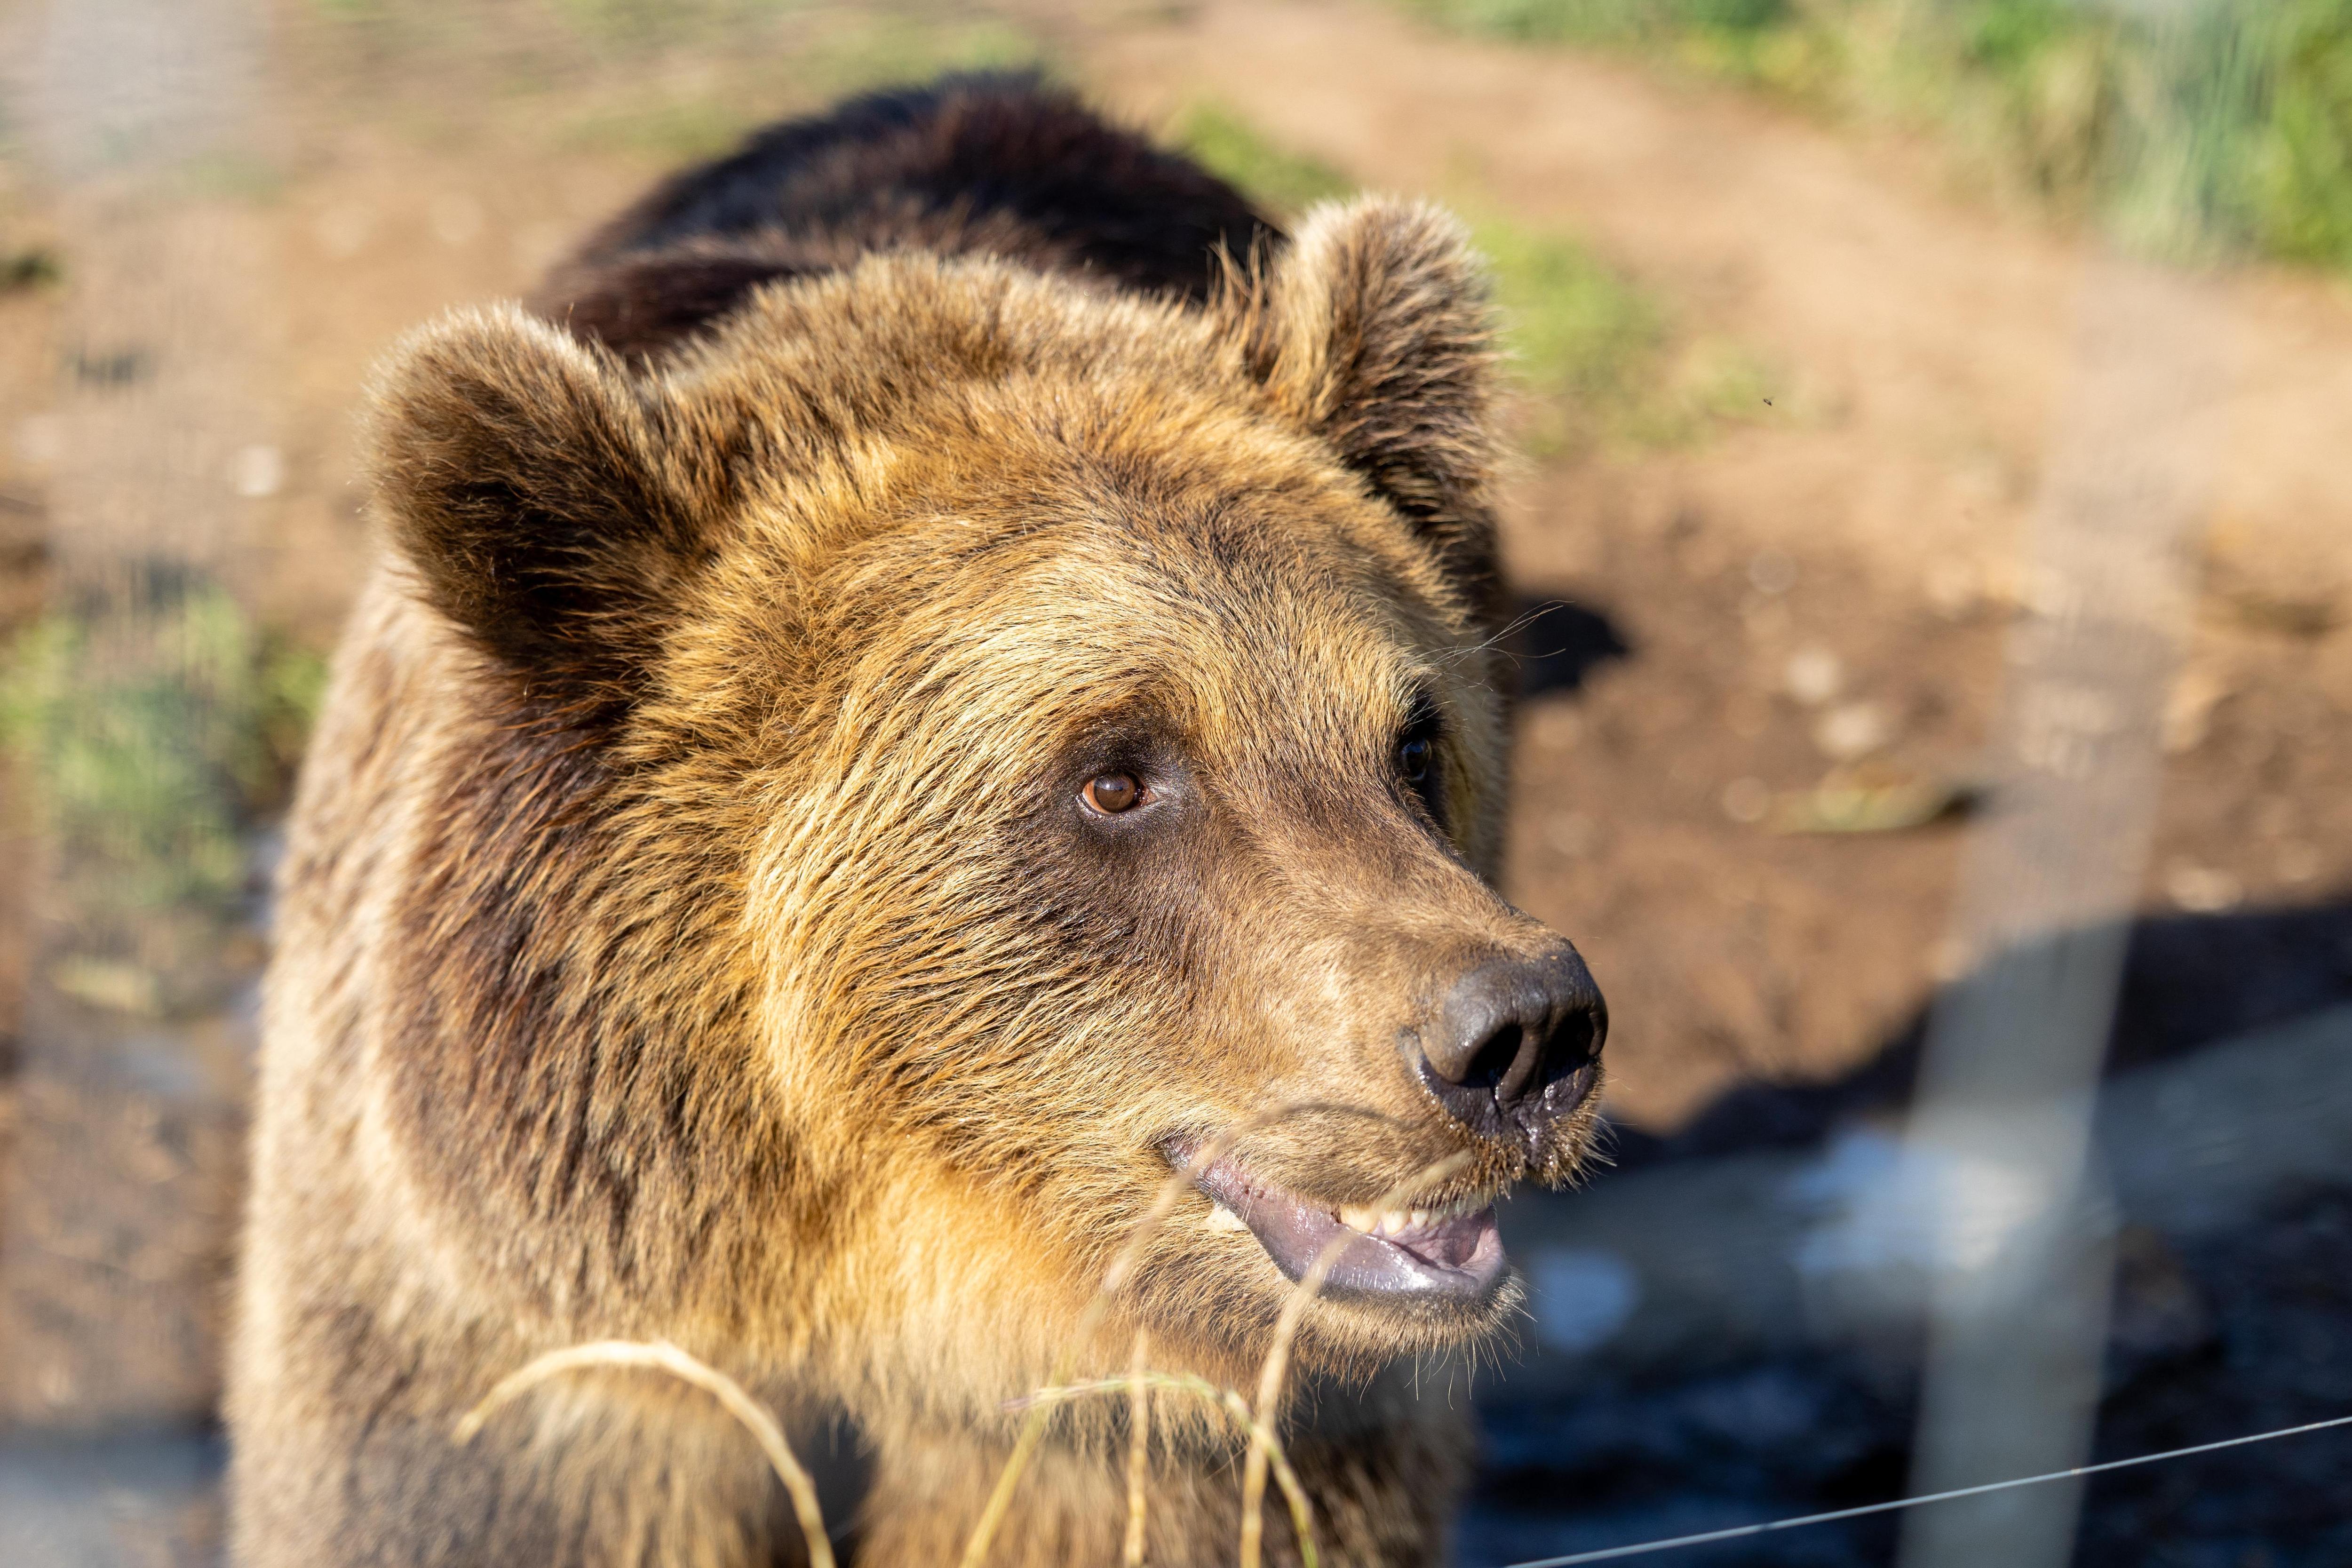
x: 1514, y: 1045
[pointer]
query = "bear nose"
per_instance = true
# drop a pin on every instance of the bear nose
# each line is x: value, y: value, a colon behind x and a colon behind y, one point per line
x: 1499, y: 1051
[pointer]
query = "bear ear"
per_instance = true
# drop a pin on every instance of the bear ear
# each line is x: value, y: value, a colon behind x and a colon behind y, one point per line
x: 527, y: 480
x: 1374, y: 331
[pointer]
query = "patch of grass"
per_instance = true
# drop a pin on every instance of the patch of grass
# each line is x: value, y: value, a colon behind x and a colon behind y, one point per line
x: 1601, y: 357
x: 2193, y: 131
x: 34, y: 267
x: 2306, y: 171
x: 234, y: 176
x: 1228, y: 145
x: 1579, y: 327
x: 154, y: 735
x: 640, y: 24
x: 1598, y: 357
x: 667, y: 130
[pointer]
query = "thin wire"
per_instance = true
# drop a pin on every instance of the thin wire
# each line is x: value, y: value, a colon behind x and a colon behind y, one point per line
x: 1740, y: 1532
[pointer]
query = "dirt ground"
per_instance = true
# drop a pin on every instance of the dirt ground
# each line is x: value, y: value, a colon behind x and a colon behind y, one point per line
x: 1714, y: 623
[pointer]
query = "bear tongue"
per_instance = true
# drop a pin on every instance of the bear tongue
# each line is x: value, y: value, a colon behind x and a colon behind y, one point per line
x: 1458, y: 1259
x: 1448, y: 1243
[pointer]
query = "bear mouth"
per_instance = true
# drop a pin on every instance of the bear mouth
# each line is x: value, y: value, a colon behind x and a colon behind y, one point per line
x: 1453, y: 1257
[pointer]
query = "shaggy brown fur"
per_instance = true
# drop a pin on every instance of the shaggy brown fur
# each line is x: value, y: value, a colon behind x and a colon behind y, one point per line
x: 690, y: 929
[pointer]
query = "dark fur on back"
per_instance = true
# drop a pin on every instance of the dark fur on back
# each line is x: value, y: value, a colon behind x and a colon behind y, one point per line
x: 998, y: 165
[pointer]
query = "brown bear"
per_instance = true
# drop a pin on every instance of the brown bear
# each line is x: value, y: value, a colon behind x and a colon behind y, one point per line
x: 943, y: 670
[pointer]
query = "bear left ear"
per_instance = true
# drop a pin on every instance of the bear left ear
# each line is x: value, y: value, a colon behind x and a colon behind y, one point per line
x: 1374, y: 331
x: 544, y: 502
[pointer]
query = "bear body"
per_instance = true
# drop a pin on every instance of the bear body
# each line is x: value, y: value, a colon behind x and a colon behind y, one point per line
x: 940, y: 674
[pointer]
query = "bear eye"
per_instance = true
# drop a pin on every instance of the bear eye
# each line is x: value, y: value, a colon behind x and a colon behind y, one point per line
x: 1416, y: 754
x: 1111, y: 794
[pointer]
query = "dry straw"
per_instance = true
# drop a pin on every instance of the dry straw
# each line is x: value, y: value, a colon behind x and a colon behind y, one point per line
x: 1139, y: 1450
x: 1225, y: 1401
x: 1272, y: 1375
x: 661, y: 1356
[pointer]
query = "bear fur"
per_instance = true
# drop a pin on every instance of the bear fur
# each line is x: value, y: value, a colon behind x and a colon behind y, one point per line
x: 689, y: 927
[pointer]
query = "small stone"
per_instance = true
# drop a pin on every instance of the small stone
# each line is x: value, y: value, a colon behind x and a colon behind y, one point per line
x: 1854, y: 730
x: 1572, y: 834
x: 2202, y: 890
x: 1772, y: 572
x: 258, y: 472
x: 1747, y: 800
x: 1813, y: 676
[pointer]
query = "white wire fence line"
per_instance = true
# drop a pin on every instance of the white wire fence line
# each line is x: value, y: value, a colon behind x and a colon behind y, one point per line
x: 1744, y: 1532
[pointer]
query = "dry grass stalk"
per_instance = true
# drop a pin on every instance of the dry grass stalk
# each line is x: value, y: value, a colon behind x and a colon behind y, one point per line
x: 1167, y: 1382
x: 662, y: 1356
x: 1302, y: 1517
x: 1276, y: 1368
x: 1139, y: 1449
x: 1228, y: 1400
x: 1033, y: 1430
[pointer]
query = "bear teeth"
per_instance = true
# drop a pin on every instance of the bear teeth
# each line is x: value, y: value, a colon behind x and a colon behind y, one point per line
x: 1222, y: 1218
x: 1380, y: 1221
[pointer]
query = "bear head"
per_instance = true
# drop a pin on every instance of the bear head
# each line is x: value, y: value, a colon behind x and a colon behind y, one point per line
x: 960, y: 748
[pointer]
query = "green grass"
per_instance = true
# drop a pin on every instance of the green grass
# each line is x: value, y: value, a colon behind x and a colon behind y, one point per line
x: 1600, y: 357
x: 34, y: 267
x: 154, y: 736
x: 1603, y: 358
x: 1227, y: 144
x: 1579, y: 329
x: 2200, y: 130
x: 659, y: 127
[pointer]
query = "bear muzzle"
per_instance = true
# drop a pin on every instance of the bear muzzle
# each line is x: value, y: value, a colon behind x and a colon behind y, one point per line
x: 1510, y: 1055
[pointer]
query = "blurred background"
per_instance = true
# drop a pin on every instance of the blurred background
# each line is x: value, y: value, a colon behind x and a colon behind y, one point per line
x: 1931, y: 530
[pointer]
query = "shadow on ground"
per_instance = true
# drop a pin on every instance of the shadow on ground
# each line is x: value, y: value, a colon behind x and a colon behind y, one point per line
x: 2231, y: 1330
x: 2189, y: 982
x: 1557, y: 645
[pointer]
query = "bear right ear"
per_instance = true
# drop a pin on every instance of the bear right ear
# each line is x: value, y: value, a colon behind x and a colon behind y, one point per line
x: 526, y: 478
x: 1373, y: 331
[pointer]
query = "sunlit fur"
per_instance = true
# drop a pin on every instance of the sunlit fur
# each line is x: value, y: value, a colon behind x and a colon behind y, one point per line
x: 689, y: 929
